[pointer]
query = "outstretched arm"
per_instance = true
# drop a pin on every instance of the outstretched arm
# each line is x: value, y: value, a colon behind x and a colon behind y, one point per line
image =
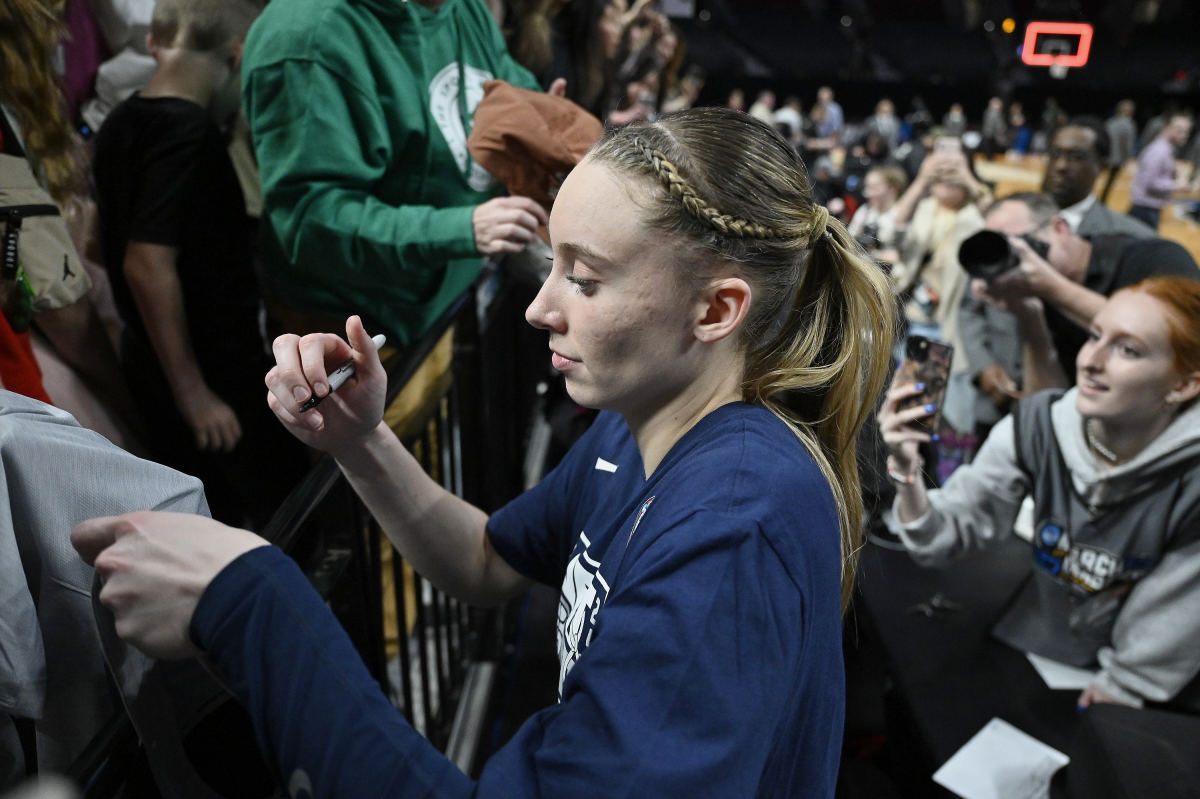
x: 441, y: 535
x: 977, y: 505
x: 649, y: 710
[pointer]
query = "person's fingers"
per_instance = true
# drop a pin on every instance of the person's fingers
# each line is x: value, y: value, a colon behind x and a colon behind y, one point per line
x: 1021, y: 247
x: 92, y: 536
x: 315, y: 350
x: 357, y: 335
x: 516, y: 232
x: 529, y: 206
x: 202, y: 437
x: 903, y: 391
x: 909, y: 415
x: 906, y: 436
x: 286, y: 379
x: 366, y: 354
x: 539, y: 213
x: 558, y: 88
x: 891, y: 402
x: 526, y: 221
x: 281, y: 411
x: 520, y: 227
x: 504, y: 246
x: 288, y: 412
x: 901, y: 419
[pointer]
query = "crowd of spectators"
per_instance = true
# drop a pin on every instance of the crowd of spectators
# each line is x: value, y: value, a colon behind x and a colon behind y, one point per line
x: 191, y: 258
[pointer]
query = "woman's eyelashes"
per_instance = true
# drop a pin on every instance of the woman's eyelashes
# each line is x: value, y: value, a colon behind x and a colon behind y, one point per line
x: 1125, y: 348
x: 582, y: 285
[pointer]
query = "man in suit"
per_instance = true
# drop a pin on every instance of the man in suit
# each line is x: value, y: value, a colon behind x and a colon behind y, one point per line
x: 1077, y: 156
x: 1055, y: 295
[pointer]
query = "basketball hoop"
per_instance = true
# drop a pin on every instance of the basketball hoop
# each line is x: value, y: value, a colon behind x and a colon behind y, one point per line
x: 1057, y: 46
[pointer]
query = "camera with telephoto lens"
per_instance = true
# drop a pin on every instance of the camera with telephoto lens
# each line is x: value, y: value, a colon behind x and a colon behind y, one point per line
x: 988, y: 254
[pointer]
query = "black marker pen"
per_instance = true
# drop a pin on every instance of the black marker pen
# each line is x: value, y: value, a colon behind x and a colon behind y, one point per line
x: 339, y: 376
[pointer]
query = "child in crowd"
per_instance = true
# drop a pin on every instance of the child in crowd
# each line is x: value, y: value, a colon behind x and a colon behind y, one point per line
x: 179, y: 246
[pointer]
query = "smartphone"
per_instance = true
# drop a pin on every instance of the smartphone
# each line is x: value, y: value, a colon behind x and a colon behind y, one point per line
x: 926, y: 360
x: 947, y: 144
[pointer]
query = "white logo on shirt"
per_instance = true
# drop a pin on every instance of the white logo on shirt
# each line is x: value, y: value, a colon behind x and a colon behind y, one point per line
x: 444, y: 107
x: 583, y: 593
x: 605, y: 466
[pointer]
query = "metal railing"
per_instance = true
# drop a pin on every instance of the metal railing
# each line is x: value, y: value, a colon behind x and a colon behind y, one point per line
x: 473, y: 444
x: 444, y: 652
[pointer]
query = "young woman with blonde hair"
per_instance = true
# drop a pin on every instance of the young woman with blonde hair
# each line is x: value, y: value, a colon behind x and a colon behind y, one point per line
x: 703, y: 530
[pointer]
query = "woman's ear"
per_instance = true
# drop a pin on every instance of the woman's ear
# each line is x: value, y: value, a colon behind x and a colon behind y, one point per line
x: 1187, y: 389
x: 724, y: 305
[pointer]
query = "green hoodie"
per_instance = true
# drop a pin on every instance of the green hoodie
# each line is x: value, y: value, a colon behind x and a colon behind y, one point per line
x: 357, y: 114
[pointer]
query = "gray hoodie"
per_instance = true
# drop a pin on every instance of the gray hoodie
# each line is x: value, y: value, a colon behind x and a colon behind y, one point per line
x: 1119, y: 548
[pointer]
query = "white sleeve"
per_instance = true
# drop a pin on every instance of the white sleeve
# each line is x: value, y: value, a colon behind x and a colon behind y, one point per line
x: 976, y: 506
x: 1156, y: 638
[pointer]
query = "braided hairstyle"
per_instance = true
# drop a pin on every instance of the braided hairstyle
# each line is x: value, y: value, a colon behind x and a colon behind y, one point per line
x: 818, y: 335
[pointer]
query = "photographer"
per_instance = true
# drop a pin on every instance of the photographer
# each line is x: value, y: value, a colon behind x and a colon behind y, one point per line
x: 1054, y: 295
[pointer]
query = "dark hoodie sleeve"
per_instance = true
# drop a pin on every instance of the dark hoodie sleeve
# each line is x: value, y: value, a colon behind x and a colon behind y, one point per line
x: 318, y: 714
x: 679, y: 696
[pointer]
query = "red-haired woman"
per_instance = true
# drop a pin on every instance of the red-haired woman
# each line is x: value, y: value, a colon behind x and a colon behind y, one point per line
x: 1113, y: 466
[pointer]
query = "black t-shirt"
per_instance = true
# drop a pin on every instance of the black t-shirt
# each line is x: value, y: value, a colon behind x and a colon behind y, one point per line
x: 164, y: 176
x: 1117, y: 261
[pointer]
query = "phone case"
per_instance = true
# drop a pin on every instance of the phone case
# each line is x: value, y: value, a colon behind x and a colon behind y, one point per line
x: 926, y: 360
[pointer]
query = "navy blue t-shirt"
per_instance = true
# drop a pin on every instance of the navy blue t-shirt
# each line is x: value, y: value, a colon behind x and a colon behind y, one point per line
x: 699, y: 630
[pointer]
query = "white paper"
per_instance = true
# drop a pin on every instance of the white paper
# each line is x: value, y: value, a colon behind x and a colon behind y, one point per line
x: 1060, y: 676
x: 1001, y: 762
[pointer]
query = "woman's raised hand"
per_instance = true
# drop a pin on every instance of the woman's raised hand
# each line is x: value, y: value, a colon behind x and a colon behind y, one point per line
x: 302, y: 367
x: 896, y: 424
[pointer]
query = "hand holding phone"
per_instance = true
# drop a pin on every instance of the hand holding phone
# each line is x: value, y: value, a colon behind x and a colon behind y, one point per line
x: 926, y: 362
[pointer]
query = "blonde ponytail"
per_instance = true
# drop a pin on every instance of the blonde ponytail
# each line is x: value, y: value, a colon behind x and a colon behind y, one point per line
x: 819, y: 334
x: 824, y: 369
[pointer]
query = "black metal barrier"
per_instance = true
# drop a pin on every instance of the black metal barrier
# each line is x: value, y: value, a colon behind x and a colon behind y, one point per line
x: 473, y: 444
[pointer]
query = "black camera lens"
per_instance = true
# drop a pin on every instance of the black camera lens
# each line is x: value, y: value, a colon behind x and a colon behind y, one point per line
x: 987, y: 255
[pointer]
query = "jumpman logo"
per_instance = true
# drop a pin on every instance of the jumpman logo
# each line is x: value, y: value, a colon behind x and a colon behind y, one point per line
x: 67, y: 268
